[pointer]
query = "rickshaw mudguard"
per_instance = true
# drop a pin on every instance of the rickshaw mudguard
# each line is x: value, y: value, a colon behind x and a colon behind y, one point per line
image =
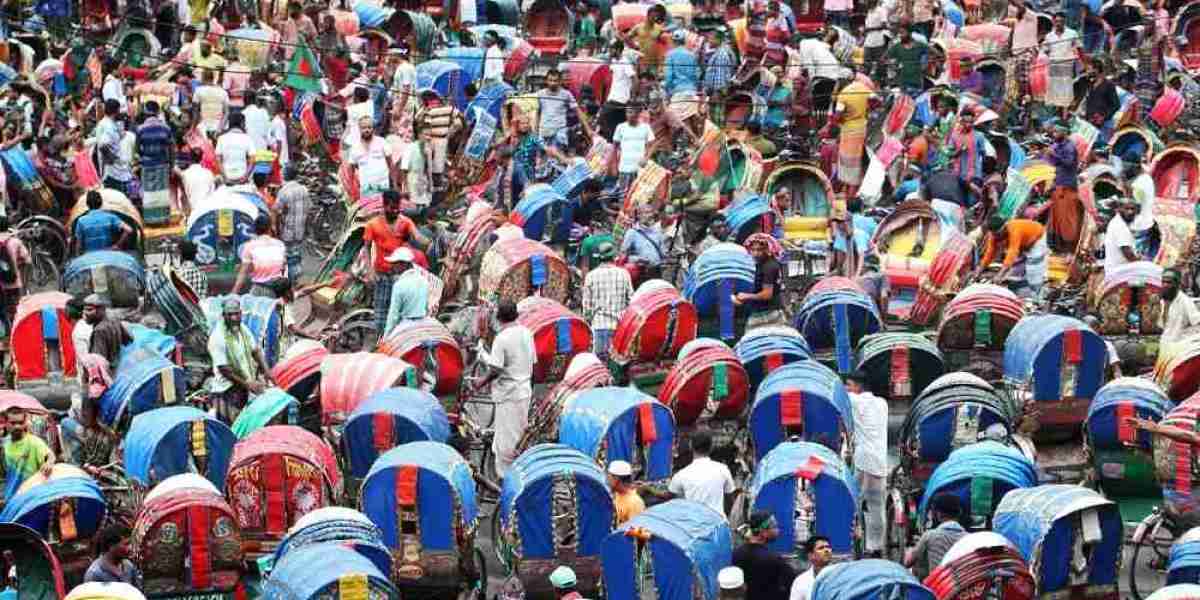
x: 391, y: 418
x: 834, y: 489
x: 611, y: 423
x: 688, y: 544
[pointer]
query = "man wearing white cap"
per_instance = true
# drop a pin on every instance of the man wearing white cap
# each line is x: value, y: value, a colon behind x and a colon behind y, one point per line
x: 732, y: 583
x: 564, y: 582
x: 626, y: 500
x: 409, y: 291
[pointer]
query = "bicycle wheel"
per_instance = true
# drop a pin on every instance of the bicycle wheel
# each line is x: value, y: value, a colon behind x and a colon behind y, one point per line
x: 1151, y: 539
x: 43, y: 273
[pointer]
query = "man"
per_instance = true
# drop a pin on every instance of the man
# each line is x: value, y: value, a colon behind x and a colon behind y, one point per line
x: 81, y: 333
x: 510, y: 372
x: 682, y: 72
x: 934, y: 543
x: 1062, y: 46
x: 116, y: 172
x: 197, y: 182
x: 156, y: 156
x: 212, y: 104
x: 1141, y: 187
x: 24, y: 453
x: 370, y: 160
x: 606, y: 293
x: 719, y: 69
x: 620, y: 92
x: 191, y: 274
x: 114, y: 87
x: 553, y: 104
x: 382, y: 235
x: 704, y: 480
x: 263, y: 260
x: 235, y: 78
x: 563, y: 581
x: 108, y: 336
x: 1022, y: 239
x: 626, y: 500
x: 415, y: 175
x: 236, y: 151
x: 113, y: 564
x: 761, y: 143
x: 909, y: 58
x: 258, y: 121
x: 15, y: 261
x: 290, y: 212
x: 823, y: 68
x: 295, y: 28
x: 1066, y: 212
x: 210, y: 62
x: 1119, y: 244
x: 239, y: 369
x: 277, y: 137
x: 410, y: 292
x: 1179, y: 310
x: 875, y: 27
x: 718, y: 232
x: 98, y: 229
x: 870, y: 416
x: 643, y: 244
x: 853, y: 104
x: 357, y: 108
x: 633, y: 138
x: 493, y: 59
x: 732, y: 584
x: 820, y: 554
x: 768, y: 574
x: 778, y: 31
x: 763, y: 303
x: 646, y: 35
x: 967, y: 149
x: 86, y: 442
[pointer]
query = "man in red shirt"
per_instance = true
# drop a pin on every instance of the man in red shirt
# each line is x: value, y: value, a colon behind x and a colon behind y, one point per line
x: 382, y: 236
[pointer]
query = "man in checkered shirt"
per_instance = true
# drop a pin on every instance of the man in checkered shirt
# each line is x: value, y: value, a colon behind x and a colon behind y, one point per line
x: 606, y: 292
x: 188, y: 270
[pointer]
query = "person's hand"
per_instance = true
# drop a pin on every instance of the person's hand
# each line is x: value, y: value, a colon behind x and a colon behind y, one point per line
x: 737, y: 299
x: 47, y: 467
x: 1143, y: 424
x: 255, y: 387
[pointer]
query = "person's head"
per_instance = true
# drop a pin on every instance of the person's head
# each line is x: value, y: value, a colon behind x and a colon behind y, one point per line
x: 150, y: 108
x: 819, y: 551
x: 658, y: 13
x: 294, y: 10
x: 205, y: 48
x: 231, y: 312
x: 1060, y: 131
x: 1171, y: 279
x: 94, y: 200
x: 113, y: 542
x: 855, y: 205
x: 702, y: 443
x: 759, y: 249
x: 754, y: 128
x: 262, y: 225
x: 646, y: 78
x: 366, y: 127
x: 95, y: 307
x: 1127, y: 209
x: 14, y: 419
x: 646, y: 216
x: 499, y: 216
x: 563, y: 581
x: 361, y: 94
x: 906, y: 33
x: 401, y: 259
x: 1060, y: 21
x: 237, y: 121
x: 856, y: 382
x: 506, y: 311
x: 1133, y: 168
x: 633, y: 113
x: 996, y: 224
x: 946, y: 507
x: 187, y: 250
x: 732, y: 583
x: 553, y: 80
x: 679, y: 37
x: 289, y: 172
x: 620, y: 475
x: 604, y: 252
x: 111, y: 107
x: 391, y: 204
x: 763, y: 527
x: 719, y: 228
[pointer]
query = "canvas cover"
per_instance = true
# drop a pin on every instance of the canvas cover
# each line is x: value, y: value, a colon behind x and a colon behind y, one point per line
x: 949, y: 414
x: 558, y: 335
x: 979, y: 475
x: 278, y: 474
x: 1183, y: 561
x: 264, y: 408
x: 1122, y: 457
x: 40, y: 324
x: 833, y: 485
x: 165, y: 442
x: 621, y: 424
x: 899, y: 365
x: 38, y: 507
x: 870, y: 579
x: 390, y: 418
x: 803, y: 398
x: 348, y: 379
x: 708, y: 381
x: 515, y: 269
x: 442, y: 487
x: 835, y: 322
x: 979, y: 317
x: 654, y: 326
x: 543, y: 213
x: 1061, y: 360
x: 119, y: 276
x: 428, y: 345
x: 187, y: 540
x: 338, y: 524
x: 765, y: 349
x: 689, y: 544
x: 42, y: 574
x: 326, y: 570
x: 219, y: 224
x: 298, y: 372
x: 712, y: 279
x: 142, y: 385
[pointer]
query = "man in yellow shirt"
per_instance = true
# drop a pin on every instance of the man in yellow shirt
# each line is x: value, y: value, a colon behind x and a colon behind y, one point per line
x: 626, y: 499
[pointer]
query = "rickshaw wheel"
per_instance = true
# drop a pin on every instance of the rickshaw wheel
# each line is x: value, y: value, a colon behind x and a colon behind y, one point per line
x: 44, y: 233
x: 1158, y: 538
x: 324, y: 226
x: 356, y: 333
x: 43, y: 272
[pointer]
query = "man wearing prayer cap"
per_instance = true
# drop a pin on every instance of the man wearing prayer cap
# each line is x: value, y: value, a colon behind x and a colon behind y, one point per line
x: 732, y: 583
x: 564, y: 582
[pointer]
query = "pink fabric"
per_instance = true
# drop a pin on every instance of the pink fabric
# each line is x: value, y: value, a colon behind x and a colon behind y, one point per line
x: 269, y: 256
x: 85, y: 171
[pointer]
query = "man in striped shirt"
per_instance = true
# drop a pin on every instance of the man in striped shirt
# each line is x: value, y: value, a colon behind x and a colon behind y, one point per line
x: 291, y: 208
x: 934, y: 543
x: 606, y: 293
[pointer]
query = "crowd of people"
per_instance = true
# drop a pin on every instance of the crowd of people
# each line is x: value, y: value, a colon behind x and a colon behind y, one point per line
x: 869, y: 93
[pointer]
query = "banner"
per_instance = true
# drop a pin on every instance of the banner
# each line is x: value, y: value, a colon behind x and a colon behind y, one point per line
x: 1015, y: 194
x: 1084, y: 135
x: 481, y: 137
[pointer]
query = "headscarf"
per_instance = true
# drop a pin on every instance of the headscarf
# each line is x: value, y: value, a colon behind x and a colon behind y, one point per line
x: 773, y: 245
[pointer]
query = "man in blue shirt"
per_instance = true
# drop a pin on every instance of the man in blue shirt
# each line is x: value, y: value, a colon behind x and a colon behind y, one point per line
x: 99, y: 229
x: 682, y: 67
x: 721, y: 65
x: 644, y: 244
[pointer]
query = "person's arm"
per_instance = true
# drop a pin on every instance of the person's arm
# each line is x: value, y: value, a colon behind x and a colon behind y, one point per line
x: 48, y: 461
x: 912, y: 554
x: 1173, y: 433
x: 242, y: 274
x: 262, y: 367
x: 123, y: 237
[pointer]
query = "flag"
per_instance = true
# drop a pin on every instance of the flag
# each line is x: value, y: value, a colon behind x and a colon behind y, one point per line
x: 304, y: 72
x: 712, y: 164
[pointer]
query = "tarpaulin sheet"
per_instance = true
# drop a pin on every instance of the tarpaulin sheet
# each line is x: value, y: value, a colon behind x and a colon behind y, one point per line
x: 688, y: 541
x: 138, y: 387
x: 416, y: 416
x: 146, y: 342
x: 105, y: 258
x: 161, y: 439
x: 1146, y: 400
x: 934, y: 420
x: 704, y: 284
x: 1183, y: 562
x: 610, y: 415
x: 371, y: 15
x: 1005, y: 466
x: 526, y: 496
x: 336, y: 524
x: 826, y: 406
x: 443, y: 475
x: 317, y: 570
x: 1035, y: 350
x: 871, y: 579
x: 446, y: 78
x: 835, y: 491
x: 36, y: 506
x: 263, y: 408
x: 534, y: 209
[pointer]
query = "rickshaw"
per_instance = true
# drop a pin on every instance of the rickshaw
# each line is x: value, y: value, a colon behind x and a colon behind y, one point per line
x: 262, y: 316
x: 339, y: 312
x: 805, y: 401
x: 272, y: 407
x: 543, y: 213
x: 179, y: 306
x: 671, y: 551
x: 870, y: 579
x: 118, y: 204
x: 468, y: 58
x: 490, y: 100
x: 612, y: 423
x: 981, y: 561
x: 549, y: 24
x: 186, y: 539
x: 940, y: 283
x: 651, y: 331
x: 558, y: 335
x: 139, y: 386
x: 909, y: 239
x: 765, y: 349
x: 974, y: 327
x: 1185, y: 31
x: 979, y: 475
x: 43, y: 355
x: 173, y: 440
x: 707, y: 383
x: 1121, y: 458
x: 1176, y: 173
x: 277, y: 475
x: 67, y: 512
x: 94, y: 590
x: 41, y: 422
x: 348, y: 379
x: 748, y: 215
x: 811, y: 491
x: 327, y: 570
x: 585, y: 372
x: 446, y: 78
x: 427, y: 344
x: 555, y: 509
x: 1071, y: 536
x: 219, y: 224
x: 899, y: 366
x: 1134, y: 141
x: 1059, y: 363
x: 115, y: 275
x: 518, y: 268
x: 579, y: 73
x: 465, y: 251
x: 421, y: 495
x: 36, y: 566
x: 710, y: 283
x: 298, y: 373
x: 388, y: 419
x: 1183, y: 562
x: 339, y: 524
x: 834, y: 322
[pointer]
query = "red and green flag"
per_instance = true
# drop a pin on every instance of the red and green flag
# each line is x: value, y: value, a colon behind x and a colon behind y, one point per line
x: 304, y: 72
x: 712, y: 163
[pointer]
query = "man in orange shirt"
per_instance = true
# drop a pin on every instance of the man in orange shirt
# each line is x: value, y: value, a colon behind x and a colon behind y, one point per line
x: 382, y: 236
x: 1022, y: 239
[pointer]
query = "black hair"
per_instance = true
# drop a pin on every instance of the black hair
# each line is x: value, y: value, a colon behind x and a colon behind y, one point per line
x: 94, y: 200
x: 702, y: 442
x: 110, y: 536
x: 948, y: 505
x: 753, y: 127
x: 391, y: 197
x: 289, y: 172
x: 262, y: 225
x: 811, y: 543
x: 111, y: 107
x: 855, y: 204
x: 249, y: 97
x: 361, y: 94
x: 187, y: 250
x: 4, y: 222
x: 237, y: 121
x: 858, y: 375
x: 259, y: 179
x: 506, y: 311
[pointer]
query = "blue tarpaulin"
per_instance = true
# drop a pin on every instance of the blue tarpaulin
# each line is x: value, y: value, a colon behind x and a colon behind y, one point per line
x: 317, y: 571
x: 985, y: 468
x: 35, y: 507
x: 415, y: 416
x: 443, y: 478
x: 834, y: 489
x: 871, y: 579
x: 526, y: 497
x: 823, y: 402
x: 140, y: 386
x: 689, y: 544
x: 160, y: 444
x: 1033, y: 354
x: 610, y: 418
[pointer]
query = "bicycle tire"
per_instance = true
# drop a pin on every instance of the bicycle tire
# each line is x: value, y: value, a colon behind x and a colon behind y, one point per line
x: 43, y: 272
x: 1157, y: 520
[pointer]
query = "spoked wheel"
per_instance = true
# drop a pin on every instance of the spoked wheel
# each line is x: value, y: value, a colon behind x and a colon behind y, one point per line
x: 324, y: 226
x: 1151, y: 542
x: 44, y: 233
x: 355, y: 333
x: 43, y: 273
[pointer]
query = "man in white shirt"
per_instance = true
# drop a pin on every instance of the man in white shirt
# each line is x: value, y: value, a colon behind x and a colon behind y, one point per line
x: 705, y: 480
x: 1118, y: 239
x: 632, y: 138
x: 624, y: 76
x: 277, y: 137
x: 820, y: 554
x: 212, y: 101
x: 1062, y: 46
x: 361, y: 108
x: 198, y: 181
x: 870, y: 454
x: 493, y: 59
x: 258, y: 122
x: 510, y: 375
x: 236, y: 151
x: 114, y: 86
x: 1180, y: 312
x: 370, y: 159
